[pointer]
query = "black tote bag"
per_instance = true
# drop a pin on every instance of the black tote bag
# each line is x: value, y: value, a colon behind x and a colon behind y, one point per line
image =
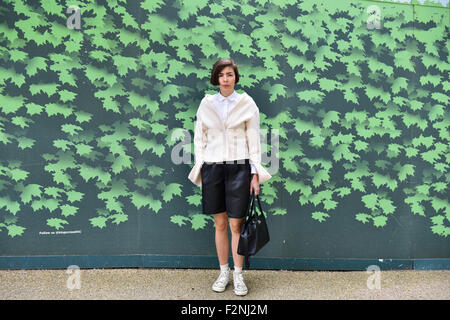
x: 254, y: 234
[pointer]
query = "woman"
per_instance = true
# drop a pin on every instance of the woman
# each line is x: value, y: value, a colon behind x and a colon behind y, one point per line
x: 227, y: 164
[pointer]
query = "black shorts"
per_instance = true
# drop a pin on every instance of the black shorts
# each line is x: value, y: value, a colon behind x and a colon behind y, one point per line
x: 226, y: 187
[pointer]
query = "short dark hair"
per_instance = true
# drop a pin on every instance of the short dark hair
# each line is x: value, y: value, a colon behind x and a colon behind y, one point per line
x: 219, y: 66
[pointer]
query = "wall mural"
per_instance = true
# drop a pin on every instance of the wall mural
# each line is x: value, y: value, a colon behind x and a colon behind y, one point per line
x: 98, y: 103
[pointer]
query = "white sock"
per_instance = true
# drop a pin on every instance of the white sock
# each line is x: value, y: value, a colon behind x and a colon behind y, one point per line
x: 237, y: 270
x: 224, y: 268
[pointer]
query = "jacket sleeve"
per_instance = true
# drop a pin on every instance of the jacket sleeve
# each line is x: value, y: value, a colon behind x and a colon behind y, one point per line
x: 199, y: 140
x: 199, y: 146
x: 254, y: 146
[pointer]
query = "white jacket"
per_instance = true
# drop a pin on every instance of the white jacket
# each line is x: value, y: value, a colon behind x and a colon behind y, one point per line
x: 237, y: 138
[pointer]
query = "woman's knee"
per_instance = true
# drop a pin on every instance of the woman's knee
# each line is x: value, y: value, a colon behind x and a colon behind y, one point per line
x: 221, y: 221
x: 236, y: 225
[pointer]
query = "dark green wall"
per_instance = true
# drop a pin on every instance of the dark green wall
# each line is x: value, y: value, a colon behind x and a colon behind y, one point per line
x: 358, y: 92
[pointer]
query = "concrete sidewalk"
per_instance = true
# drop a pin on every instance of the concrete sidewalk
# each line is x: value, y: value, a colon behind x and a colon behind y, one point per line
x: 196, y: 284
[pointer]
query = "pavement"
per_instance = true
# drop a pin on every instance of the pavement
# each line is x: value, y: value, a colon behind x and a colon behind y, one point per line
x: 195, y: 284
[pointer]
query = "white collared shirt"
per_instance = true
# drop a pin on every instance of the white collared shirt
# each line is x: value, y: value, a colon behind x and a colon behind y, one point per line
x: 223, y: 105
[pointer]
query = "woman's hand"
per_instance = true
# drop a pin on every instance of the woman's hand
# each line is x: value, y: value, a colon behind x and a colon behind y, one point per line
x: 254, y: 184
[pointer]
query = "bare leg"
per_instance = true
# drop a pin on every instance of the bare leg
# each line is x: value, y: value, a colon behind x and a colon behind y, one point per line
x: 221, y: 224
x: 236, y: 227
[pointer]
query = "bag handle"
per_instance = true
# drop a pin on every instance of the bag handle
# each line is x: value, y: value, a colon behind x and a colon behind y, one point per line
x: 252, y: 205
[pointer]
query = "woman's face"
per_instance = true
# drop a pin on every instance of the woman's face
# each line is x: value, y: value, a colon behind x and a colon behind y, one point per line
x: 227, y: 79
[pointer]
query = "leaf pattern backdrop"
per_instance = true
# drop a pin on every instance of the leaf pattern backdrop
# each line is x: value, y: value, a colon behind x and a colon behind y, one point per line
x: 89, y: 118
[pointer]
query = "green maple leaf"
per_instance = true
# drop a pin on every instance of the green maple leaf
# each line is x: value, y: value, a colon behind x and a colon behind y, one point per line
x: 88, y: 173
x: 403, y: 59
x: 114, y: 205
x: 199, y: 221
x: 99, y: 55
x: 342, y: 192
x: 312, y: 96
x: 440, y: 97
x: 18, y: 174
x: 195, y: 199
x: 14, y: 230
x: 406, y: 170
x: 118, y: 218
x: 143, y: 144
x: 152, y: 5
x: 328, y: 84
x: 73, y: 196
x: 430, y: 156
x: 35, y: 64
x: 83, y: 149
x: 29, y: 191
x: 158, y: 128
x: 329, y: 204
x: 399, y: 84
x: 137, y: 100
x: 292, y: 185
x: 21, y: 121
x: 320, y: 216
x: 168, y: 91
x: 317, y: 141
x: 329, y: 117
x: 66, y: 95
x: 71, y: 129
x: 99, y: 222
x: 440, y: 204
x: 370, y: 201
x: 319, y: 177
x: 124, y: 64
x: 140, y: 200
x: 48, y: 88
x: 440, y: 186
x: 363, y: 217
x: 33, y: 108
x: 10, y: 104
x: 170, y: 190
x: 411, y: 152
x: 56, y: 223
x: 379, y: 221
x: 278, y: 211
x: 155, y: 205
x: 179, y: 220
x: 277, y: 90
x: 154, y: 171
x: 68, y: 210
x: 62, y: 144
x: 53, y: 109
x: 95, y: 74
x: 424, y: 141
x: 417, y: 208
x: 66, y: 77
x: 10, y: 205
x: 360, y: 145
x: 24, y: 142
x: 120, y: 163
x: 440, y: 230
x: 386, y: 206
x: 83, y: 116
x: 436, y: 112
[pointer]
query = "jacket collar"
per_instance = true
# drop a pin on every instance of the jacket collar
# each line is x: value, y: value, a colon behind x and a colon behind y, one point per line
x: 210, y: 106
x: 232, y: 97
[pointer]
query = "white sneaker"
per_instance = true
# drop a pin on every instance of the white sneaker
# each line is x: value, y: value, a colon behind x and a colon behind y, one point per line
x: 240, y: 289
x: 222, y: 281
